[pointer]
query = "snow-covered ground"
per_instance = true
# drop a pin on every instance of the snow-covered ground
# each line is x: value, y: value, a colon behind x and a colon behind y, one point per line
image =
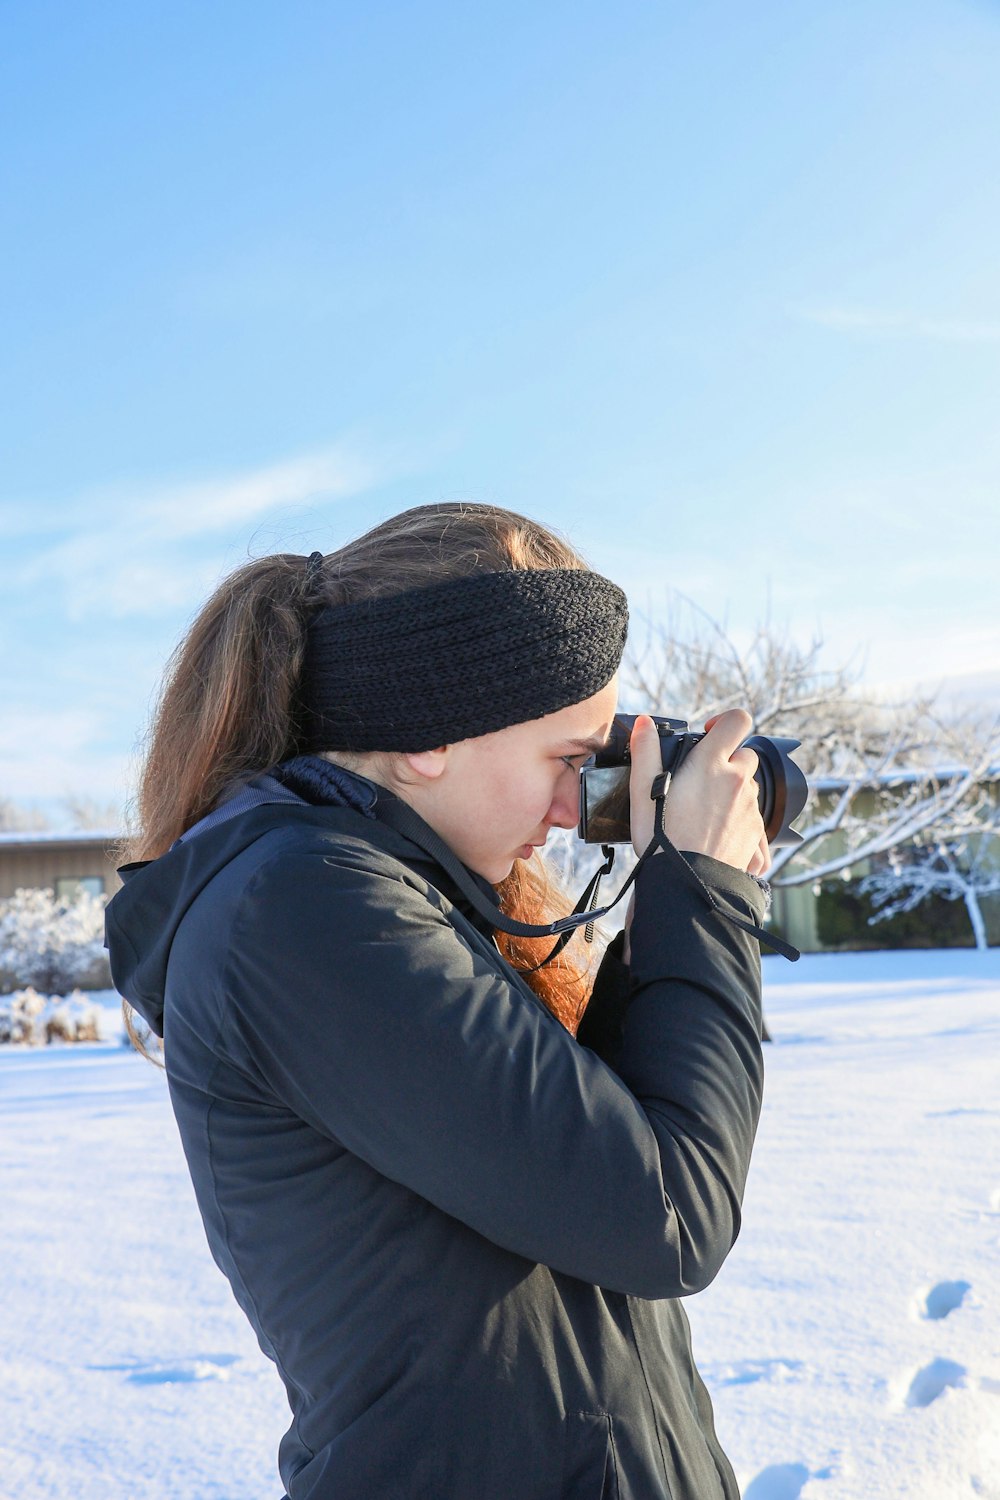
x: 851, y: 1342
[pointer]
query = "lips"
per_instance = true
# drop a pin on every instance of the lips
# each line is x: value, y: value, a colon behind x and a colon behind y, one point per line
x: 525, y: 850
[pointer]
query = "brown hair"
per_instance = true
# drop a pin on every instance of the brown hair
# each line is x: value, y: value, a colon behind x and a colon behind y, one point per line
x: 227, y: 710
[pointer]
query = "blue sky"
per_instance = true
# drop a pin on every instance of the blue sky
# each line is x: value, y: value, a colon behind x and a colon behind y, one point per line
x: 713, y: 289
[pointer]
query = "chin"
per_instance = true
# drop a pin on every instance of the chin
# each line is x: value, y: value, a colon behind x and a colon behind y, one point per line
x: 492, y: 870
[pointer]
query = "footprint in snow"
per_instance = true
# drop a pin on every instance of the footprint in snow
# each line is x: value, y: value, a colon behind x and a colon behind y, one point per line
x: 933, y: 1380
x: 943, y: 1298
x: 777, y: 1482
x: 182, y: 1372
x: 750, y: 1371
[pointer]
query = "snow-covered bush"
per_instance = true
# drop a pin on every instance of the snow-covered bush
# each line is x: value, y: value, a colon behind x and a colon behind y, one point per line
x: 20, y: 1015
x: 50, y: 945
x: 31, y: 1019
x: 72, y: 1019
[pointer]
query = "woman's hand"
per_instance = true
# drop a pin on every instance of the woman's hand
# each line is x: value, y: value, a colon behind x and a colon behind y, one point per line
x: 711, y: 805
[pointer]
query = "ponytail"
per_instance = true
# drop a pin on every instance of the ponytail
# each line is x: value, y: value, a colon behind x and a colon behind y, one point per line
x: 227, y: 711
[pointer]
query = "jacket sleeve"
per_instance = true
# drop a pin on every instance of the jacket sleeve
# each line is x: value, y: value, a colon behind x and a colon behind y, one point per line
x: 603, y: 1020
x: 370, y: 1016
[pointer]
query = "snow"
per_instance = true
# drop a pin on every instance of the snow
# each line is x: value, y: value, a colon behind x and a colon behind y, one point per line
x: 851, y: 1341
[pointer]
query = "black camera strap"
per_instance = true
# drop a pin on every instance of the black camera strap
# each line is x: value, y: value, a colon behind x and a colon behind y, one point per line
x: 399, y: 815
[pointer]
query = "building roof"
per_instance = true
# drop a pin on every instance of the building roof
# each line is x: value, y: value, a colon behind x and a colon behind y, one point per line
x: 899, y: 778
x: 35, y: 838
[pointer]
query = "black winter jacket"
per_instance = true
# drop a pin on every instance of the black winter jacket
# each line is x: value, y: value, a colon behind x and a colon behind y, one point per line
x: 459, y: 1232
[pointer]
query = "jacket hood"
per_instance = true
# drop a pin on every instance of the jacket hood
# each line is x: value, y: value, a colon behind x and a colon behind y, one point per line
x: 142, y: 918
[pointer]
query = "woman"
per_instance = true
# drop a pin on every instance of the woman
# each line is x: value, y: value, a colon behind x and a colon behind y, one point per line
x: 459, y: 1230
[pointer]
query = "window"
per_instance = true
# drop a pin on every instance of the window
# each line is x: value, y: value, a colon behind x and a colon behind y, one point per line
x: 69, y: 888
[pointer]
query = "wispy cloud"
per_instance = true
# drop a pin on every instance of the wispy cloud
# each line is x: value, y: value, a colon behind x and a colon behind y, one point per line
x: 159, y: 548
x: 215, y: 505
x: 97, y: 584
x: 874, y: 323
x: 48, y: 752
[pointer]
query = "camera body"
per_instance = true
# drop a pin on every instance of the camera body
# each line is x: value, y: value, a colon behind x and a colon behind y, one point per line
x: 604, y: 781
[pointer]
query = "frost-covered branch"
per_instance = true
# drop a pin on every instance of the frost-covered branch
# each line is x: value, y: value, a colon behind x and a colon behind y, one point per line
x: 881, y: 774
x: 958, y: 862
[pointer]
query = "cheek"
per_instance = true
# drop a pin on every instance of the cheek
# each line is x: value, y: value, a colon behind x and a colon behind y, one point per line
x: 525, y: 797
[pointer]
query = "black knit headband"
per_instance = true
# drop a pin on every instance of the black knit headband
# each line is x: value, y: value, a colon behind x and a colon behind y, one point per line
x: 435, y: 665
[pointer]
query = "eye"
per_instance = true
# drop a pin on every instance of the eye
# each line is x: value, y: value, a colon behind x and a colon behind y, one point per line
x: 570, y: 760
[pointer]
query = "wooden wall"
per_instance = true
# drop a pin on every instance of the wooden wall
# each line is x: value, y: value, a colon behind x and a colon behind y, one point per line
x: 39, y: 863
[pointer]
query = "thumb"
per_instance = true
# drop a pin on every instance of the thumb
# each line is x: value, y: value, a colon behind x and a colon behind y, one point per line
x: 647, y: 762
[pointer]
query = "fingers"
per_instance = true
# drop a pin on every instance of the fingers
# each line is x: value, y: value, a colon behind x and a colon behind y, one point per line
x: 712, y: 805
x: 725, y: 733
x: 760, y: 862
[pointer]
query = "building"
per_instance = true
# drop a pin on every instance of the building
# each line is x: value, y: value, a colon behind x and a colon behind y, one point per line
x: 64, y: 863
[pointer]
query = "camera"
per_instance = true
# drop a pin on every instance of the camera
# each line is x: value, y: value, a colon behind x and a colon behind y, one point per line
x: 604, y: 781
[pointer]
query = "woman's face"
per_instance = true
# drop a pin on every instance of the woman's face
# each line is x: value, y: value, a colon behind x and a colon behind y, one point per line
x: 493, y: 797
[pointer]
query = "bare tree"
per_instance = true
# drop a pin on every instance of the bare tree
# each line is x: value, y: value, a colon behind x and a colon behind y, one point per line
x: 86, y: 812
x: 15, y: 818
x: 881, y: 774
x: 80, y: 811
x: 690, y: 667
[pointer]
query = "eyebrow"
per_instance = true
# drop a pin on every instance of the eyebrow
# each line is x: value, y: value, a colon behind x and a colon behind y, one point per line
x: 596, y: 742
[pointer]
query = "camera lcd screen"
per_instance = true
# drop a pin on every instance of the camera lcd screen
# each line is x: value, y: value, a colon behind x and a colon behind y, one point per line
x: 604, y: 805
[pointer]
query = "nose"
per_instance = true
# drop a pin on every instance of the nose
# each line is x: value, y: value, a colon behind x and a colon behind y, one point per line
x: 565, y: 809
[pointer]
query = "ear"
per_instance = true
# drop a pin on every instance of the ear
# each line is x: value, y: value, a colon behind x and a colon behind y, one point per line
x: 428, y: 763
